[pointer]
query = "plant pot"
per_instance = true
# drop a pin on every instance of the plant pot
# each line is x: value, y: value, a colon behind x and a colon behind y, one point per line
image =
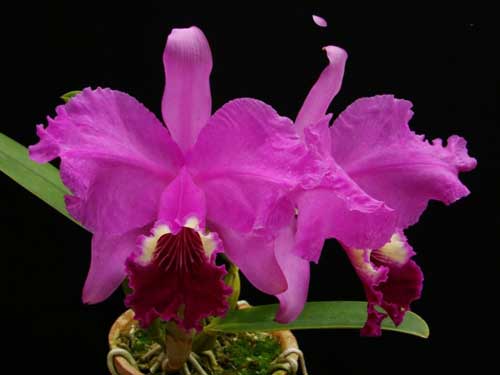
x: 123, y: 366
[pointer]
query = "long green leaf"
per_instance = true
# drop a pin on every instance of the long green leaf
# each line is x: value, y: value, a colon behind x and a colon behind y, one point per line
x: 40, y: 179
x: 316, y: 315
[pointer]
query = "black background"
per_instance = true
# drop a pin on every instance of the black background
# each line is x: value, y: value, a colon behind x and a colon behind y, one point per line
x: 445, y: 66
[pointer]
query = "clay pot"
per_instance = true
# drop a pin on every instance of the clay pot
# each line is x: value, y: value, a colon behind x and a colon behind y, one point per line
x: 123, y: 367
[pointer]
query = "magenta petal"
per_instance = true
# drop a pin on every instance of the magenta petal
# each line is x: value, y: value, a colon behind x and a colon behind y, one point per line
x: 247, y: 159
x: 320, y: 21
x: 346, y: 215
x: 390, y: 278
x: 116, y: 159
x: 371, y: 140
x: 111, y: 197
x: 337, y: 207
x: 181, y: 202
x: 255, y: 256
x: 107, y: 267
x: 174, y: 277
x: 296, y: 271
x: 324, y: 90
x: 186, y: 104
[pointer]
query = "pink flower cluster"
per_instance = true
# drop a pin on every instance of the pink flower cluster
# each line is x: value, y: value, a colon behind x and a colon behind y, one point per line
x: 163, y: 199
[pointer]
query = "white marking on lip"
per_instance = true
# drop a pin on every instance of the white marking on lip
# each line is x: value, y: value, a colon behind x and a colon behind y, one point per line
x: 149, y: 243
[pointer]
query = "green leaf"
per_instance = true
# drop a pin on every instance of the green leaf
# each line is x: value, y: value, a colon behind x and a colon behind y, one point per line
x: 316, y: 315
x: 41, y: 179
x: 69, y: 95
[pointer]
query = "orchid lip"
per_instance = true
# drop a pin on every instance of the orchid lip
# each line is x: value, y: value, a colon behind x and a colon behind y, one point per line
x: 175, y: 248
x: 182, y: 258
x: 178, y: 252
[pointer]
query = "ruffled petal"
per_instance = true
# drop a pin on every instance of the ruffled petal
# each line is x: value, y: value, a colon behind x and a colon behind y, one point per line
x: 107, y: 267
x: 390, y: 278
x: 371, y: 140
x: 174, y: 277
x: 324, y: 90
x: 187, y: 103
x: 341, y: 212
x: 338, y: 207
x: 116, y: 157
x: 296, y: 271
x: 246, y: 160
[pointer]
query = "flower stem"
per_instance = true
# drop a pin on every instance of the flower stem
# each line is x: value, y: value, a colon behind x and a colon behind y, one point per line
x: 178, y: 346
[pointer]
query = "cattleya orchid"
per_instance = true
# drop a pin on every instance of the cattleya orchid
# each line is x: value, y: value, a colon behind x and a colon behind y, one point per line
x: 388, y: 174
x: 158, y: 201
x: 163, y: 201
x: 372, y: 142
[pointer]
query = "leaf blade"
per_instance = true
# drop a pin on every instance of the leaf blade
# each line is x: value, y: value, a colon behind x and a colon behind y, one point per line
x: 316, y: 315
x: 40, y: 179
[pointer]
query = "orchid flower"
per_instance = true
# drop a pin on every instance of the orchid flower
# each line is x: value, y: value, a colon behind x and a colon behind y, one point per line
x: 372, y: 142
x: 160, y: 202
x: 382, y: 176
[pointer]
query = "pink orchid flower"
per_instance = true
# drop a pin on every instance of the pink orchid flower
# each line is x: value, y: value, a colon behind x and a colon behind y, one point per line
x: 158, y: 201
x: 393, y: 168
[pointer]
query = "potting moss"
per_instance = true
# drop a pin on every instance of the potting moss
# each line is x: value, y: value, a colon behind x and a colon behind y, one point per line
x: 246, y: 353
x: 236, y: 354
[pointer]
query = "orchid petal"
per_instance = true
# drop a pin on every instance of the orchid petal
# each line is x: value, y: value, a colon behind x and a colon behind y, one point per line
x: 296, y: 271
x: 286, y: 275
x: 247, y: 159
x: 320, y: 21
x: 324, y: 90
x: 107, y: 267
x: 337, y: 221
x: 371, y: 140
x: 347, y: 212
x: 346, y: 215
x: 115, y: 155
x: 187, y: 102
x: 110, y: 197
x: 270, y: 250
x: 255, y: 256
x: 390, y: 278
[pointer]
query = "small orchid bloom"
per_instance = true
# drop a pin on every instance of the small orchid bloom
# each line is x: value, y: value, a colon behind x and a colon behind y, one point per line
x: 372, y: 143
x: 158, y: 201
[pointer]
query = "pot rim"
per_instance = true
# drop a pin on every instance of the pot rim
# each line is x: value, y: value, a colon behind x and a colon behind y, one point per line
x: 286, y: 339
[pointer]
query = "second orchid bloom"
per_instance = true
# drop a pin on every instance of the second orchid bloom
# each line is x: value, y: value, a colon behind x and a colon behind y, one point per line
x: 163, y: 201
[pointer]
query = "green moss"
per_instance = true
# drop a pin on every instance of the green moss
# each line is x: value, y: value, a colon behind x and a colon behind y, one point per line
x: 246, y: 353
x: 236, y: 354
